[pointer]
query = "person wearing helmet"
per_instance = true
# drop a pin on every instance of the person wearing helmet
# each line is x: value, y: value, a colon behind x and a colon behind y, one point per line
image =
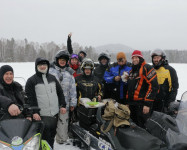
x: 75, y: 65
x: 88, y: 85
x: 113, y: 78
x: 64, y: 74
x: 104, y: 63
x: 167, y: 80
x: 142, y: 89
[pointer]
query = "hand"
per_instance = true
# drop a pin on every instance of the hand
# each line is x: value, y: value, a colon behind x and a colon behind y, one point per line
x: 70, y: 34
x: 117, y: 78
x: 29, y: 118
x: 146, y: 110
x: 62, y: 110
x: 36, y: 116
x: 99, y: 98
x: 72, y: 108
x: 14, y: 110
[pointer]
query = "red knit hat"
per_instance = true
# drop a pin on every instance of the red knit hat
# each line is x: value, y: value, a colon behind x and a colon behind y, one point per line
x: 137, y: 53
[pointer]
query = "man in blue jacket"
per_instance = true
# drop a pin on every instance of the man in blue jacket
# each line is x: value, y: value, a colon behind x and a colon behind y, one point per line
x: 113, y: 75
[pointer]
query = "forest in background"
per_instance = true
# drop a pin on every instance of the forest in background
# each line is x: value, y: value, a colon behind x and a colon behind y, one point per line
x: 12, y: 50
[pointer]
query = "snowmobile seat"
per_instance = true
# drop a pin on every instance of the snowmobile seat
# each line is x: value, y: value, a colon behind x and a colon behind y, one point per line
x: 137, y: 138
x: 159, y: 123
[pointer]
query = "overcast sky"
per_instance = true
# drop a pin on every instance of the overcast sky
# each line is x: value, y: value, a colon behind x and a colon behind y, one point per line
x: 140, y: 24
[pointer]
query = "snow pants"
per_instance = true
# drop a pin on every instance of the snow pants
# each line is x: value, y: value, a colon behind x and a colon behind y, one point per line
x: 138, y: 116
x: 50, y: 124
x: 62, y: 128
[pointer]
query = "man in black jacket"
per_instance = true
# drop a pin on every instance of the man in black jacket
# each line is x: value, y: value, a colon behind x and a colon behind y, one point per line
x: 104, y: 63
x: 11, y: 92
x: 43, y: 90
x: 167, y: 80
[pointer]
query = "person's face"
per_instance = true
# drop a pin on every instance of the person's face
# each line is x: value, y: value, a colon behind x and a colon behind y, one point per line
x: 156, y: 59
x: 42, y: 66
x: 135, y: 60
x: 8, y: 77
x: 87, y: 71
x: 82, y: 55
x: 104, y: 61
x: 61, y: 62
x: 121, y: 61
x: 74, y: 61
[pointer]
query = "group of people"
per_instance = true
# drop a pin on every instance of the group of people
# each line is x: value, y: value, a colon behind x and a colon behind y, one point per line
x: 56, y: 88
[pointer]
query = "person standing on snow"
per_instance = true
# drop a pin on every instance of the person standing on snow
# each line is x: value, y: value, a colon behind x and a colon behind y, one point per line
x: 113, y: 75
x: 104, y: 63
x: 64, y: 75
x: 88, y: 85
x: 167, y: 80
x: 44, y: 91
x: 82, y: 54
x: 142, y: 89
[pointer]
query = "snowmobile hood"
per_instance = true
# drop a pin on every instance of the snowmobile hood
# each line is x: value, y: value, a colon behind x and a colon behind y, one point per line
x: 21, y: 128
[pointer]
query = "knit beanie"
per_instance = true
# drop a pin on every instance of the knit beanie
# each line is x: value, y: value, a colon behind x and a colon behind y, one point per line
x: 4, y: 69
x: 137, y: 53
x: 121, y: 55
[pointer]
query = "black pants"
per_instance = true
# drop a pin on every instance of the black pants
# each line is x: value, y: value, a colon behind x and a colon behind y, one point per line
x: 137, y: 115
x: 50, y: 124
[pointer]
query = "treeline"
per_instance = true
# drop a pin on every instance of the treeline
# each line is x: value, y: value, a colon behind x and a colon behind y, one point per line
x: 12, y: 50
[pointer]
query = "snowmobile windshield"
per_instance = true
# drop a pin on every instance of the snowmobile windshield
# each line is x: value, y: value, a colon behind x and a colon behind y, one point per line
x: 181, y: 119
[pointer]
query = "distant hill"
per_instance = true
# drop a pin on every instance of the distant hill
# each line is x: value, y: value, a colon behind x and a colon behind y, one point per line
x: 113, y: 48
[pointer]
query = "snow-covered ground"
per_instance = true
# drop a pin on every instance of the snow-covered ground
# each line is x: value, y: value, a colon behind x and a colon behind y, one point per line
x: 27, y: 69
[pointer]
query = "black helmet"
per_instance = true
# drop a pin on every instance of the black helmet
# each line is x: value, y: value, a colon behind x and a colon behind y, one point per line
x: 62, y: 54
x: 158, y: 52
x: 87, y: 63
x: 103, y: 55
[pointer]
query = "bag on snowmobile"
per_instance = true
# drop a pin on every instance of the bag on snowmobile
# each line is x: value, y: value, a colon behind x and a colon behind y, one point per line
x: 86, y: 116
x: 118, y: 114
x: 159, y: 123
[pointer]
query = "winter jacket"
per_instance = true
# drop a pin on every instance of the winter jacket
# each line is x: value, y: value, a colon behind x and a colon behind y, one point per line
x: 11, y: 94
x: 168, y: 84
x: 44, y: 91
x: 88, y: 86
x: 142, y: 85
x: 67, y: 82
x: 111, y: 73
x: 100, y: 71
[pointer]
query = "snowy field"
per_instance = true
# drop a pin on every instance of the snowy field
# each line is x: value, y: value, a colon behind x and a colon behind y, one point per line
x: 27, y: 69
x: 23, y: 71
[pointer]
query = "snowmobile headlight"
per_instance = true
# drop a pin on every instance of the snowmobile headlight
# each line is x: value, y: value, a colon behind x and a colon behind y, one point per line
x: 33, y: 144
x: 4, y: 147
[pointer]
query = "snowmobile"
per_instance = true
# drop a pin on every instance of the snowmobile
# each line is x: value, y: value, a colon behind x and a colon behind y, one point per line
x: 88, y: 134
x: 170, y: 127
x: 18, y: 133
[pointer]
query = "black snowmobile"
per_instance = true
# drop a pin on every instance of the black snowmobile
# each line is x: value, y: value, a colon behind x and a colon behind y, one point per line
x: 88, y: 134
x: 19, y: 133
x: 163, y: 131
